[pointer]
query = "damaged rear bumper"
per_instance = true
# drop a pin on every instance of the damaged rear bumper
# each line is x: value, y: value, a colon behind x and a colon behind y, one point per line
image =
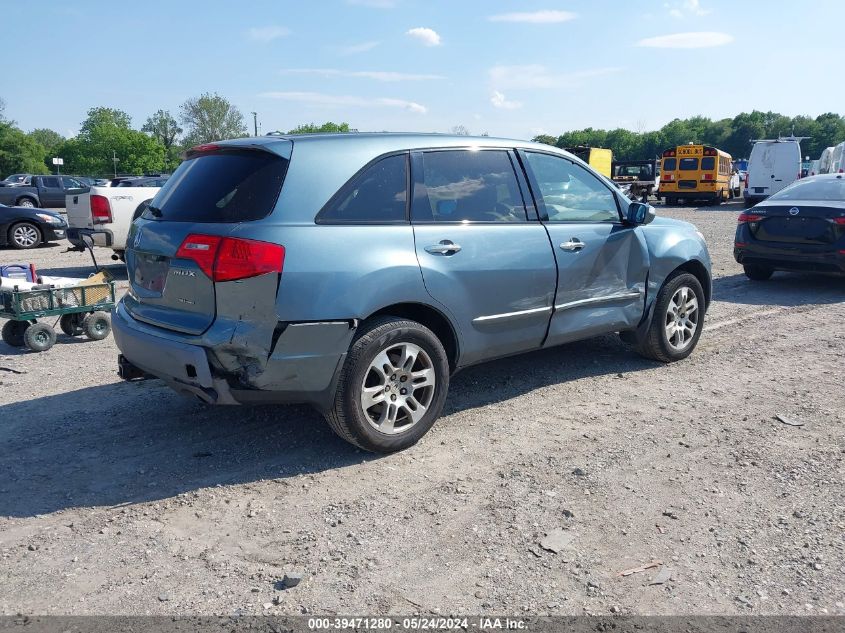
x: 302, y: 367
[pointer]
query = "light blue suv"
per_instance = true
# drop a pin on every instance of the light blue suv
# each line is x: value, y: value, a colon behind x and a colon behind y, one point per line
x: 358, y: 272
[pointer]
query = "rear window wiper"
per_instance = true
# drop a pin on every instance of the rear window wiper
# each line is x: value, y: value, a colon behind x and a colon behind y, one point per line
x: 154, y: 211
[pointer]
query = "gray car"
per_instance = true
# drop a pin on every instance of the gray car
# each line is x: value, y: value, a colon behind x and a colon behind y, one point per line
x: 358, y: 272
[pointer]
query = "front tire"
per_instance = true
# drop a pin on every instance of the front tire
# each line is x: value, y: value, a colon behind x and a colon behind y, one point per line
x: 25, y: 235
x: 392, y: 386
x: 39, y: 337
x: 757, y: 273
x: 677, y: 321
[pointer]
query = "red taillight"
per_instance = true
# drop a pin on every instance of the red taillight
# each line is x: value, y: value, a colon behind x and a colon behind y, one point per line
x: 668, y: 177
x: 707, y: 177
x: 740, y: 244
x: 746, y: 180
x: 748, y: 217
x: 230, y: 258
x: 202, y: 249
x: 239, y: 259
x: 839, y: 221
x: 100, y: 210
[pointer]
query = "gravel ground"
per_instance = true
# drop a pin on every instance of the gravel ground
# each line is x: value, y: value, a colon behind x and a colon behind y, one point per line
x: 548, y: 475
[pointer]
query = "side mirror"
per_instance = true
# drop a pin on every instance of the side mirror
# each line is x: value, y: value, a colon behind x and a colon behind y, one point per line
x: 639, y: 213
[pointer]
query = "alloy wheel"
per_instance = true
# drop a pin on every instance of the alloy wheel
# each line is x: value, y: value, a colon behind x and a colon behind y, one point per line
x: 682, y: 318
x: 398, y: 388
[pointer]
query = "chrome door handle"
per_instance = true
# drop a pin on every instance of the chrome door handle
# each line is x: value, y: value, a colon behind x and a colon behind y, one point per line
x: 573, y: 245
x: 445, y: 247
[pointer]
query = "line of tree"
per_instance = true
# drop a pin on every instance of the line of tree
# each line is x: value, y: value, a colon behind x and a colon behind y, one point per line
x: 107, y: 134
x: 731, y: 135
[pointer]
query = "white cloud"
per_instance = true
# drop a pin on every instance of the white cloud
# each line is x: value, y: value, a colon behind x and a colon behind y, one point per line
x: 267, y: 33
x: 429, y: 37
x: 701, y: 39
x: 374, y: 4
x: 499, y: 101
x: 377, y: 75
x: 686, y: 8
x: 535, y: 76
x: 322, y: 99
x: 363, y: 47
x: 534, y: 17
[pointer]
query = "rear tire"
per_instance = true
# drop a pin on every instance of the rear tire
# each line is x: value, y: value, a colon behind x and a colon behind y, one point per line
x: 677, y: 321
x: 29, y: 203
x: 39, y: 337
x: 386, y: 354
x: 96, y: 326
x: 71, y: 324
x: 755, y: 272
x: 13, y: 333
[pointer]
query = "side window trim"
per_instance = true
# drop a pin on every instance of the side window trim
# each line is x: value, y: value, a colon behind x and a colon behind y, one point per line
x: 538, y: 197
x: 345, y: 189
x: 419, y: 195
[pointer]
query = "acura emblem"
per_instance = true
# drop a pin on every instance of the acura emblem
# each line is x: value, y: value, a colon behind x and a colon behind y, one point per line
x: 794, y: 211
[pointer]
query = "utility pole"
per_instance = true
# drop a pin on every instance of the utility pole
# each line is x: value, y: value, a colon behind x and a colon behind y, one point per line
x: 115, y: 160
x: 255, y: 122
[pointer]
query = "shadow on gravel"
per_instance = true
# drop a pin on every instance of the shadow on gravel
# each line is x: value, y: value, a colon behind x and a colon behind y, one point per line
x: 783, y: 289
x: 126, y: 443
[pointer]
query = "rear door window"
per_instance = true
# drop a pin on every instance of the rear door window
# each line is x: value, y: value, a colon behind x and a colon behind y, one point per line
x: 227, y: 186
x: 378, y: 195
x: 689, y: 164
x: 708, y: 163
x: 670, y: 164
x: 51, y: 182
x: 468, y: 186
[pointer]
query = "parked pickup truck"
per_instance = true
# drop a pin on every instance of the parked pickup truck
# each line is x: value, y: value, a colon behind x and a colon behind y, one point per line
x: 44, y: 191
x: 637, y: 178
x: 106, y: 213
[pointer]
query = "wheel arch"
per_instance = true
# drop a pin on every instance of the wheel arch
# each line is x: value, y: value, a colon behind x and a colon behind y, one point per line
x: 699, y: 271
x: 34, y: 200
x: 433, y: 319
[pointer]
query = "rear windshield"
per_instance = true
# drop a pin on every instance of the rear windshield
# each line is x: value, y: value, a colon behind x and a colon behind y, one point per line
x: 669, y: 164
x: 689, y: 164
x: 829, y: 189
x: 231, y: 186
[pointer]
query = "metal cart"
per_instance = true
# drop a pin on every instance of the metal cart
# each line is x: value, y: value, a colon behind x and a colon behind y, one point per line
x: 81, y: 309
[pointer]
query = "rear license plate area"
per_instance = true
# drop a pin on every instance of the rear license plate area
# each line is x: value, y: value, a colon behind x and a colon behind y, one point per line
x: 151, y: 272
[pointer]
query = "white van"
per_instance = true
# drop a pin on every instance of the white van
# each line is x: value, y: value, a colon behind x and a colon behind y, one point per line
x: 826, y: 160
x: 837, y: 159
x: 772, y: 166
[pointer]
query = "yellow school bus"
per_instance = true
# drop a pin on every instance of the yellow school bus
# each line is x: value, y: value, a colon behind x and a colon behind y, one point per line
x: 695, y: 172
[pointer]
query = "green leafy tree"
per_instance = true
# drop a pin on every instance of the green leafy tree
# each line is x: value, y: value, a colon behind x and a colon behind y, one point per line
x: 210, y: 117
x: 327, y: 128
x: 50, y: 140
x: 19, y: 153
x: 548, y: 139
x: 107, y: 134
x: 165, y: 129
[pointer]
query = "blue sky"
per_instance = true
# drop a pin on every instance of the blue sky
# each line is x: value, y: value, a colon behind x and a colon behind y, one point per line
x: 507, y: 68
